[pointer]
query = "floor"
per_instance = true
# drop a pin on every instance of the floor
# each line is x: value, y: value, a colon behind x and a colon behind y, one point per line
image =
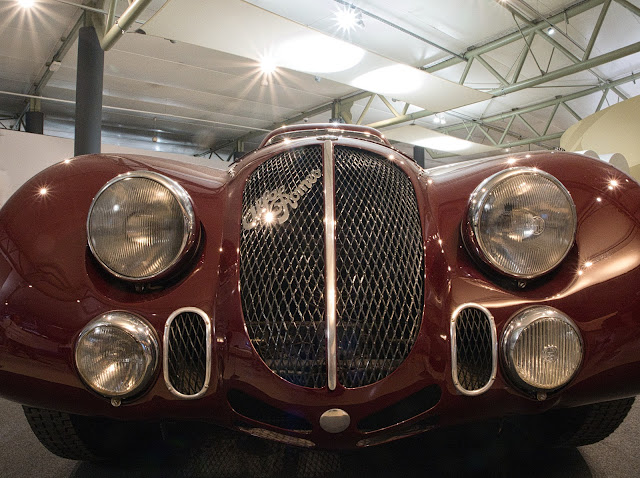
x: 22, y: 456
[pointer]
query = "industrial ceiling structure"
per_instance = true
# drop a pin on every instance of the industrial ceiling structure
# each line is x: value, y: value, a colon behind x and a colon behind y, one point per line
x: 211, y: 78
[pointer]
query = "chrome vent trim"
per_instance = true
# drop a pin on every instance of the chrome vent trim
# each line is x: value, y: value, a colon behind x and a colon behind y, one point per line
x: 187, y: 353
x: 474, y: 349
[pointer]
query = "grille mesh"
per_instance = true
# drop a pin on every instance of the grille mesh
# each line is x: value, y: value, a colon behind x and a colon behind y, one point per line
x: 187, y: 353
x: 474, y: 349
x: 380, y: 266
x: 282, y: 271
x: 379, y: 260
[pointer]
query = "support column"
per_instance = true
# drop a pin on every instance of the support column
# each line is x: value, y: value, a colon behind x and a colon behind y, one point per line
x: 88, y: 93
x: 34, y: 118
x: 419, y: 155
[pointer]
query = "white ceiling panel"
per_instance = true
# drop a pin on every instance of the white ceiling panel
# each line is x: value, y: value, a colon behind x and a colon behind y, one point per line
x: 262, y: 33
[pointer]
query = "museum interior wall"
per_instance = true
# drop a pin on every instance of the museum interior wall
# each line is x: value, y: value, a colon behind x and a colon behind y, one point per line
x: 22, y: 155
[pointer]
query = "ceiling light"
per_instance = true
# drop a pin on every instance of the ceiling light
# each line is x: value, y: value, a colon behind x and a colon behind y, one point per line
x: 26, y: 3
x: 267, y: 65
x: 347, y: 18
x: 436, y: 119
x: 551, y: 31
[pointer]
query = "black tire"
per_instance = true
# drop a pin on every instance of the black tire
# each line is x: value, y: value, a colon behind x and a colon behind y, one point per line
x: 572, y: 427
x: 89, y: 438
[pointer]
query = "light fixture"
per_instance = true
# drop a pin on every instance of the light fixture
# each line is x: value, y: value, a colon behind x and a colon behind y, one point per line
x: 26, y: 3
x: 348, y: 18
x: 267, y: 65
x: 551, y: 31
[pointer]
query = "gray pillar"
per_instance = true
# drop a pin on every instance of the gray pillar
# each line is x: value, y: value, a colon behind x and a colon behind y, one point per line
x: 88, y: 93
x: 419, y: 155
x: 34, y: 122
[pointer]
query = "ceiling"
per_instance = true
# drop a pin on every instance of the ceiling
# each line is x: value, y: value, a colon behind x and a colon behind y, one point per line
x: 191, y: 78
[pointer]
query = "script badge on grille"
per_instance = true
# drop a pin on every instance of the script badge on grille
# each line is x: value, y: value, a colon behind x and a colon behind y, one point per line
x: 273, y: 207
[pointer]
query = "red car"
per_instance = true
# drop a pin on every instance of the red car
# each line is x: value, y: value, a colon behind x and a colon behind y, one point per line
x: 325, y: 292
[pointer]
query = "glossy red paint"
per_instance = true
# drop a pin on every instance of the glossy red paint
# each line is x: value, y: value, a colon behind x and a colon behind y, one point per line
x: 53, y: 287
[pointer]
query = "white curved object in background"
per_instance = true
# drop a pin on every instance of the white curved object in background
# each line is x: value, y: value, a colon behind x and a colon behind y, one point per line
x: 618, y: 160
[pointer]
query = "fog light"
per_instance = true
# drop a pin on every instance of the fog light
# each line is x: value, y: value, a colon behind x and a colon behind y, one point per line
x: 117, y: 354
x: 542, y: 349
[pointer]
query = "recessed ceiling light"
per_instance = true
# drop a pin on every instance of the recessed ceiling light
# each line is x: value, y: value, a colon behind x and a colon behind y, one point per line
x: 348, y: 18
x: 267, y: 65
x: 26, y: 3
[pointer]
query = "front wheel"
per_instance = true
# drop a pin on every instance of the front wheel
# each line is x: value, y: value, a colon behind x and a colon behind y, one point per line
x: 88, y: 438
x: 579, y: 426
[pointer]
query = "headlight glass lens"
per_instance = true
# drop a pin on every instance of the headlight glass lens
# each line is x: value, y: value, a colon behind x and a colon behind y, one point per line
x: 140, y: 224
x: 523, y: 221
x: 117, y: 354
x: 542, y: 348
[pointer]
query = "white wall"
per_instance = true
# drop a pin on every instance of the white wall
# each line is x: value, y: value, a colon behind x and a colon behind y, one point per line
x: 22, y: 155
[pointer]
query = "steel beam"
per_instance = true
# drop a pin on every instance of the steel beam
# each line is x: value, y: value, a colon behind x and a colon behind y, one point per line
x: 570, y: 70
x: 517, y: 35
x: 596, y: 29
x: 123, y: 23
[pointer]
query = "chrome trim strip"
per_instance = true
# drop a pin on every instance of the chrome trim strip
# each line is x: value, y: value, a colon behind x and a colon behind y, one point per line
x: 454, y: 349
x: 330, y: 262
x: 165, y: 359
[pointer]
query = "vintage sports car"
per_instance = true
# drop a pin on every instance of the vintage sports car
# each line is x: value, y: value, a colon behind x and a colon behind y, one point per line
x: 325, y: 292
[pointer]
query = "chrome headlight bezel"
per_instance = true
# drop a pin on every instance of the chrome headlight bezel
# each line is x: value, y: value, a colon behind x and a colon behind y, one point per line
x: 512, y: 333
x: 139, y: 331
x: 479, y: 198
x: 191, y: 229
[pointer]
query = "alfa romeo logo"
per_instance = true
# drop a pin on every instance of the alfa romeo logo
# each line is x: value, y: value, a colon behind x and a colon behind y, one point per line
x: 274, y: 206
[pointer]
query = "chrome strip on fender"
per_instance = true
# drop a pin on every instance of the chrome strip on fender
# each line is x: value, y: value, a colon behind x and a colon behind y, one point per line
x: 330, y: 262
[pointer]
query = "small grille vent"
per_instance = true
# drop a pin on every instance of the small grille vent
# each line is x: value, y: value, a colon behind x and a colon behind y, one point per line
x: 187, y: 359
x: 474, y: 349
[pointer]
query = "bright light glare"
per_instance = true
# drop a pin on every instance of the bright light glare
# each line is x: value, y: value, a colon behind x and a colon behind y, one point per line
x: 347, y: 18
x: 317, y: 53
x: 391, y: 80
x: 43, y: 191
x: 448, y: 144
x: 267, y: 65
x: 26, y: 3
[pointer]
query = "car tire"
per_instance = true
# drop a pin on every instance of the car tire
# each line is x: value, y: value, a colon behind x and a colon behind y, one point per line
x: 89, y: 438
x: 573, y: 427
x: 590, y: 423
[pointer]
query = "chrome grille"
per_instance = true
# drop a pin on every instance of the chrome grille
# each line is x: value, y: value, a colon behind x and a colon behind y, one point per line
x: 380, y: 266
x: 282, y: 271
x: 474, y: 349
x: 187, y: 349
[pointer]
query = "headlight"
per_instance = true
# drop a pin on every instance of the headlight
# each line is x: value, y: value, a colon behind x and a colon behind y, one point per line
x: 140, y: 225
x: 542, y: 349
x: 521, y: 221
x: 117, y: 354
